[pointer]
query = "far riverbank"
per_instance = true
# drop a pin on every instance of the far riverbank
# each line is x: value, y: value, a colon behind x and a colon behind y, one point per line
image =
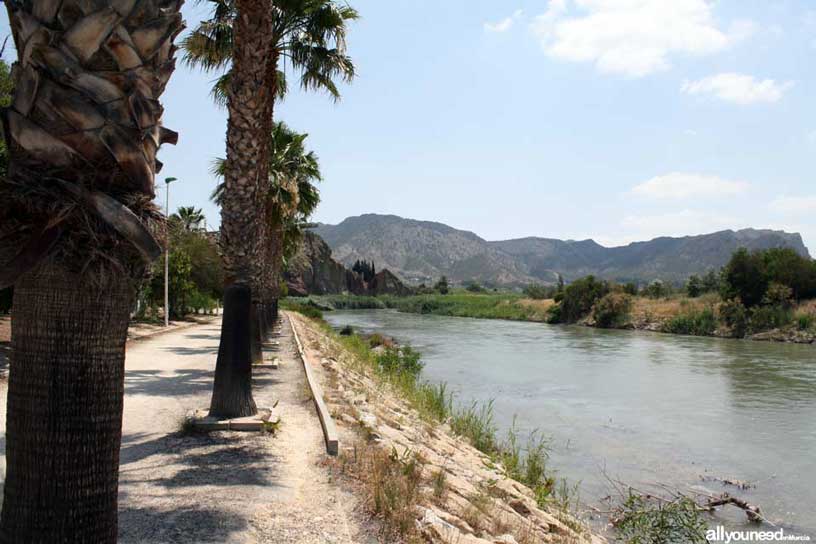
x: 701, y: 316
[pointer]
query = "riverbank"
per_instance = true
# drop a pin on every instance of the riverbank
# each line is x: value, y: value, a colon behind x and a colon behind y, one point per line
x: 400, y: 448
x: 701, y: 316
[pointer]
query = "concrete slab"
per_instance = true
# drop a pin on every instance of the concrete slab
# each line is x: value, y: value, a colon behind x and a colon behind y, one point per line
x: 202, y: 421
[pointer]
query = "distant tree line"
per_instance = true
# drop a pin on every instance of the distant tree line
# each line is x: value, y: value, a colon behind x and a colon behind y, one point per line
x: 757, y: 291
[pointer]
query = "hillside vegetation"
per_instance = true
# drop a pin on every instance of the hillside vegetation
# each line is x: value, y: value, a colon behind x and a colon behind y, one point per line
x: 765, y: 295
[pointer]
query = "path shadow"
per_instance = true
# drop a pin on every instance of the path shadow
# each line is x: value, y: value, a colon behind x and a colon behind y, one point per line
x: 191, y: 525
x: 204, y: 459
x: 181, y: 350
x: 156, y: 383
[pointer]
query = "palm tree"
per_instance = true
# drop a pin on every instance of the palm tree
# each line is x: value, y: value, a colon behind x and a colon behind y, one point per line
x: 310, y: 35
x: 290, y: 200
x: 189, y: 217
x: 76, y: 238
x: 248, y: 104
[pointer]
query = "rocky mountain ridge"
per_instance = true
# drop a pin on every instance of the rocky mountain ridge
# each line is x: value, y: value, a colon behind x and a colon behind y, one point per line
x: 422, y: 251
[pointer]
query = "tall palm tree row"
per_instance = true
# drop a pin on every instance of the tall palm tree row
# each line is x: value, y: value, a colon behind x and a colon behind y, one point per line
x: 309, y: 35
x: 290, y: 200
x: 76, y: 236
x: 292, y: 197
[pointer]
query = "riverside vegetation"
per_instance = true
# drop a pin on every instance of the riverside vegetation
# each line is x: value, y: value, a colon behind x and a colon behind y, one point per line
x: 762, y: 295
x: 401, y: 479
x: 432, y: 469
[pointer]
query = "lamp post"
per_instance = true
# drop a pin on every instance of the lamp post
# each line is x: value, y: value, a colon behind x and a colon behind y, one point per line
x: 167, y: 182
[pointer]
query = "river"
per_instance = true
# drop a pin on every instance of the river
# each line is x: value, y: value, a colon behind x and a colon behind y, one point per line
x: 641, y: 407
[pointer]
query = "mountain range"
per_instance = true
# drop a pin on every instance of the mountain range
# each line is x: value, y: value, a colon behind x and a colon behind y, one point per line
x: 423, y: 251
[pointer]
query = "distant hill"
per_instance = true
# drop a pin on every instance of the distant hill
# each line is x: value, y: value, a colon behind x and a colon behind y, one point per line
x: 422, y: 251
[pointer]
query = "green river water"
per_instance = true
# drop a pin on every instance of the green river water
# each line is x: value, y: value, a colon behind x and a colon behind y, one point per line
x: 642, y: 407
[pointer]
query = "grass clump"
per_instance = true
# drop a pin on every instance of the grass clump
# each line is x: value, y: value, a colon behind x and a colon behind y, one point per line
x: 475, y: 423
x: 392, y: 484
x: 439, y: 484
x: 694, y: 323
x: 805, y: 321
x: 529, y: 466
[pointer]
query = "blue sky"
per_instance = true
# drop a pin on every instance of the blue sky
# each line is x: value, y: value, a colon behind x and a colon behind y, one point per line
x: 617, y: 120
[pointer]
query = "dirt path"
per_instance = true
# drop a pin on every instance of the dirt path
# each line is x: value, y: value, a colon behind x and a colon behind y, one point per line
x: 224, y: 487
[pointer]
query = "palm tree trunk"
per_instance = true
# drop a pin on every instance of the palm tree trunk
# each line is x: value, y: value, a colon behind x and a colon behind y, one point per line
x: 82, y: 134
x: 240, y: 210
x: 66, y: 385
x: 234, y: 381
x: 276, y: 258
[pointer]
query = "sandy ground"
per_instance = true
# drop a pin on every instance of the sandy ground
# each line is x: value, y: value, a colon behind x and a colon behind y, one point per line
x: 226, y: 486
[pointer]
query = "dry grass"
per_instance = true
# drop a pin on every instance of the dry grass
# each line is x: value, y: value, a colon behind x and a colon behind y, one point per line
x: 807, y: 307
x: 651, y: 310
x: 392, y: 483
x: 540, y: 306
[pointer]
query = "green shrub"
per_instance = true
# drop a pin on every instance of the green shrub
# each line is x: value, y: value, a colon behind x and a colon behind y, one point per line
x: 476, y: 424
x: 735, y: 317
x: 536, y: 291
x: 630, y: 288
x: 348, y: 330
x: 745, y: 277
x: 612, y: 310
x: 695, y: 323
x: 306, y: 309
x: 644, y: 520
x: 694, y: 286
x: 554, y: 314
x: 442, y: 286
x: 580, y: 296
x: 766, y: 318
x: 400, y: 360
x: 778, y: 295
x: 657, y: 289
x: 474, y: 287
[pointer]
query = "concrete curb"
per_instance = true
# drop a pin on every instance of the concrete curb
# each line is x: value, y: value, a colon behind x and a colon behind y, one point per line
x: 329, y: 429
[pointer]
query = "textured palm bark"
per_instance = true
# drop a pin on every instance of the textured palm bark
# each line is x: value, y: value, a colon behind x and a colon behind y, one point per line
x: 82, y: 132
x: 276, y: 259
x: 241, y: 216
x: 66, y: 386
x: 235, y: 381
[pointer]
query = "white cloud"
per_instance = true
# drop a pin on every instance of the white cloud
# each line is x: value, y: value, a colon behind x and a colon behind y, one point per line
x: 679, y: 185
x: 794, y: 205
x: 505, y: 24
x: 690, y: 132
x: 738, y: 88
x: 633, y: 37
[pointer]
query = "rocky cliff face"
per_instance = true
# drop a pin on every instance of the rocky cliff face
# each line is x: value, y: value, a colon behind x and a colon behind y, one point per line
x: 313, y: 271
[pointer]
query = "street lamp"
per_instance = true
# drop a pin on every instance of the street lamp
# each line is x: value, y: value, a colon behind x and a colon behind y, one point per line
x: 167, y: 182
